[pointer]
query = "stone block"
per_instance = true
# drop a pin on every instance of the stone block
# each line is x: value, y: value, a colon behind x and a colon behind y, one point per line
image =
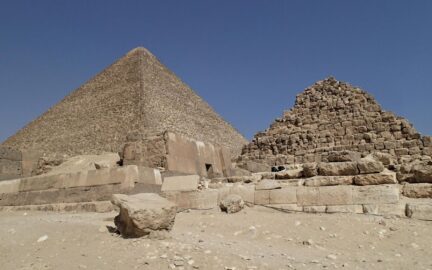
x: 367, y: 166
x: 343, y: 156
x: 390, y: 209
x: 355, y: 209
x: 256, y: 167
x: 422, y: 211
x: 335, y: 195
x: 377, y: 194
x: 10, y: 169
x: 283, y: 196
x: 328, y: 181
x: 10, y: 186
x: 338, y: 169
x: 422, y: 190
x: 387, y: 177
x: 29, y: 162
x: 314, y: 209
x: 181, y: 183
x: 149, y: 176
x: 262, y: 197
x: 308, y: 196
x: 290, y: 174
x: 199, y: 199
x: 267, y: 184
x: 10, y: 153
x: 247, y: 192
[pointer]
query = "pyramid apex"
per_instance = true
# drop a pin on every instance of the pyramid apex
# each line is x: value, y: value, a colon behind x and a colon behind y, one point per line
x: 139, y: 49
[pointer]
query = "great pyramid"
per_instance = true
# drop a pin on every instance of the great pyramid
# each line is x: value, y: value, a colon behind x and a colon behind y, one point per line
x: 135, y: 94
x: 334, y: 116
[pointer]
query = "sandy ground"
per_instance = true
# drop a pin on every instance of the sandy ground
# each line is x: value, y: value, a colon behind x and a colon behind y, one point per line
x: 256, y: 238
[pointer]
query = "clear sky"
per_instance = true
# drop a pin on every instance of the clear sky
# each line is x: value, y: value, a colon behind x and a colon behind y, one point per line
x: 247, y: 59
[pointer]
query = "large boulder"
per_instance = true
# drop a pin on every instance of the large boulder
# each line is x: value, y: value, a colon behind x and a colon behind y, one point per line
x: 370, y: 165
x: 385, y: 177
x: 232, y: 203
x: 143, y: 214
x: 422, y: 172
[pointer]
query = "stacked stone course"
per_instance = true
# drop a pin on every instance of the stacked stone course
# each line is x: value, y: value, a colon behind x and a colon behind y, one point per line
x: 335, y: 116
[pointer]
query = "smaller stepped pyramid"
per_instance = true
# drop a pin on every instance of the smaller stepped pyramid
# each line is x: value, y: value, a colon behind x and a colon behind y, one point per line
x: 136, y: 94
x: 334, y: 116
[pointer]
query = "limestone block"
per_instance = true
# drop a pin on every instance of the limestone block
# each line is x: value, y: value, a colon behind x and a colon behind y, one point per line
x: 377, y: 194
x: 292, y: 182
x: 149, y: 176
x: 181, y: 183
x: 422, y: 190
x: 422, y: 173
x: 142, y: 214
x: 87, y: 163
x: 10, y: 186
x: 29, y: 162
x: 225, y: 191
x: 286, y: 195
x: 308, y: 196
x: 386, y: 177
x: 310, y: 169
x: 335, y: 195
x: 42, y: 182
x: 267, y: 184
x: 256, y: 167
x: 232, y: 204
x: 199, y: 199
x: 247, y: 192
x: 343, y: 156
x: 338, y: 169
x: 10, y: 153
x: 314, y: 209
x: 422, y: 211
x: 427, y: 141
x: 328, y: 181
x: 369, y: 165
x: 262, y: 197
x: 355, y: 209
x: 389, y: 209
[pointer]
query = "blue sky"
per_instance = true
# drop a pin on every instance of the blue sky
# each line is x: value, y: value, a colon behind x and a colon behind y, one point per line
x: 248, y: 59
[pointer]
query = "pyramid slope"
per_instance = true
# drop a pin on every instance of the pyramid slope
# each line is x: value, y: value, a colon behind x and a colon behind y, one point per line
x: 136, y: 93
x: 332, y: 116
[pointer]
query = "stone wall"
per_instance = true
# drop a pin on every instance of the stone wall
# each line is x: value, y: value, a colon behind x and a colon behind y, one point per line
x: 177, y: 153
x: 15, y: 164
x: 334, y: 116
x: 136, y: 93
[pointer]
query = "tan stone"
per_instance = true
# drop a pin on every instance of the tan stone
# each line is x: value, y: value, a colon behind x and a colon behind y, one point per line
x: 314, y: 209
x: 422, y: 190
x: 422, y: 211
x: 200, y: 200
x: 328, y: 181
x: 386, y: 177
x: 247, y: 192
x: 377, y: 194
x: 267, y: 184
x: 369, y: 165
x: 388, y: 209
x: 290, y: 207
x: 10, y: 186
x: 180, y: 183
x: 283, y: 196
x: 149, y: 176
x: 338, y: 169
x: 262, y: 197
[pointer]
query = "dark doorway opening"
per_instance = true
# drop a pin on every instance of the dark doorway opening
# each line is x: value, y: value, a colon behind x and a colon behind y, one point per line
x: 209, y: 170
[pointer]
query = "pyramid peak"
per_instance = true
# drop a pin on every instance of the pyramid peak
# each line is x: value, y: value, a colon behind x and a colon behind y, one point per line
x: 139, y: 49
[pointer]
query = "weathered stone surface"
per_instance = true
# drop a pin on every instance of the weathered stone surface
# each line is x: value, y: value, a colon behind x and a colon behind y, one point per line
x: 10, y: 169
x: 98, y: 207
x: 422, y: 190
x: 338, y: 169
x: 330, y: 195
x: 142, y: 214
x: 421, y: 211
x: 232, y: 204
x: 314, y: 209
x: 370, y: 165
x: 199, y: 200
x: 343, y: 156
x: 390, y: 209
x: 378, y: 194
x: 267, y: 184
x: 290, y: 174
x: 87, y: 163
x: 291, y: 207
x: 355, y: 209
x: 422, y: 173
x: 329, y: 181
x: 247, y: 192
x: 310, y: 169
x: 262, y: 197
x: 286, y: 195
x: 181, y: 183
x: 149, y: 176
x: 136, y: 93
x: 256, y: 167
x: 10, y: 186
x: 386, y: 177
